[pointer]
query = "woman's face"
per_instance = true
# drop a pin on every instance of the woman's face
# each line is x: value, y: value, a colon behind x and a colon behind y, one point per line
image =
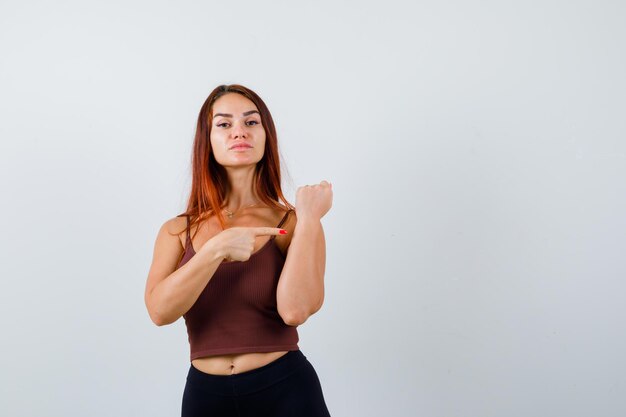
x: 237, y: 136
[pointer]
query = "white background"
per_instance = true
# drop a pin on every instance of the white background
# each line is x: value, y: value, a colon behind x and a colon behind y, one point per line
x: 475, y: 245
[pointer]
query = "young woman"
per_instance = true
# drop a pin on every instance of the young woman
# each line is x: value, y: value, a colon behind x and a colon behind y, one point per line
x: 243, y: 270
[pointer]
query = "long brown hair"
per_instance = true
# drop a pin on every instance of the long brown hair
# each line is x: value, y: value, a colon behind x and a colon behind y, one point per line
x: 209, y: 185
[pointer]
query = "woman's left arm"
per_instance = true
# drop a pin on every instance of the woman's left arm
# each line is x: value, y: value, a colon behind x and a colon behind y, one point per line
x: 300, y: 291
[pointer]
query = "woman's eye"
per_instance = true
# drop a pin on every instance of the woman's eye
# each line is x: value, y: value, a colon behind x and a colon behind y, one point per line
x: 225, y: 123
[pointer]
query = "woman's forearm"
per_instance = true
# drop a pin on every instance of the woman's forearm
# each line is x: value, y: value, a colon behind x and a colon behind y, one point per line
x: 300, y: 291
x: 177, y: 293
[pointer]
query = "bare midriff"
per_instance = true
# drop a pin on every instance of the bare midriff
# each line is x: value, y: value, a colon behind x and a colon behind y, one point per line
x: 235, y: 363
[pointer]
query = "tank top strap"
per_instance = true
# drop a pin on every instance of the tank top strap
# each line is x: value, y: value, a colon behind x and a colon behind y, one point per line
x: 188, y: 241
x: 284, y: 218
x: 282, y: 221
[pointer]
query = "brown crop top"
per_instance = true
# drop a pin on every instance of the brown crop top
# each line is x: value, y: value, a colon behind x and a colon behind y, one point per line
x: 236, y: 312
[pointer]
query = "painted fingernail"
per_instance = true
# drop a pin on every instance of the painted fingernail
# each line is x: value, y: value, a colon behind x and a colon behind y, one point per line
x: 283, y: 232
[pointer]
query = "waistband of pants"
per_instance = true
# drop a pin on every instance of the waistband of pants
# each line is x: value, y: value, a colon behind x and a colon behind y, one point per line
x: 249, y: 381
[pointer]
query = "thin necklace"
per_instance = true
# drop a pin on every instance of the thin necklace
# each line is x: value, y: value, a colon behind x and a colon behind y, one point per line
x: 231, y: 214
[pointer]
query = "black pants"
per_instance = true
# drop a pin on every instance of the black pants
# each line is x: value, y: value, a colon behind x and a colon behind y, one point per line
x: 288, y: 386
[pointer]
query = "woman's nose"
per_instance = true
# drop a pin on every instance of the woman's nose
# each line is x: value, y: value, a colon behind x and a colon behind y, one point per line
x: 239, y: 130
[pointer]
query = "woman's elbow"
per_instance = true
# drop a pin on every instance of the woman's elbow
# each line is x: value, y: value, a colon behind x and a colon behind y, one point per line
x: 293, y: 318
x: 158, y: 318
x: 298, y: 317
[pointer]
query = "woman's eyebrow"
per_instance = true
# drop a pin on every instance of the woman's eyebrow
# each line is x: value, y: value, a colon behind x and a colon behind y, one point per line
x: 230, y: 115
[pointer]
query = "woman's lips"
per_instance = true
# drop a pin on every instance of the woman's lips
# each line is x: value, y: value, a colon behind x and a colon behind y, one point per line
x: 240, y: 147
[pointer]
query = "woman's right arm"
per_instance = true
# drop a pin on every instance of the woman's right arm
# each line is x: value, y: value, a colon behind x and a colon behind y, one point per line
x: 171, y: 292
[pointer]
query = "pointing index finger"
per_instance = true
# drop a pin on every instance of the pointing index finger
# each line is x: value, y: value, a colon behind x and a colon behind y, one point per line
x: 264, y: 231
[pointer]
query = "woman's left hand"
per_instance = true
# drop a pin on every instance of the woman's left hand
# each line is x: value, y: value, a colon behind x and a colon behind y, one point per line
x: 314, y: 201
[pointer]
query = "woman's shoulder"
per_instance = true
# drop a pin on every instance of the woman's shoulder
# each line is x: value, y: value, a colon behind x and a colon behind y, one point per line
x: 176, y: 226
x: 286, y: 218
x: 284, y: 209
x: 285, y: 213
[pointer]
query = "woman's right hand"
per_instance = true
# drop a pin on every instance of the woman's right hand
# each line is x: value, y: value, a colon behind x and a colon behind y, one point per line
x: 237, y: 243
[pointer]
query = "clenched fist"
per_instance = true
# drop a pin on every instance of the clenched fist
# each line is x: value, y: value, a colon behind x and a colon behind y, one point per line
x: 314, y: 201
